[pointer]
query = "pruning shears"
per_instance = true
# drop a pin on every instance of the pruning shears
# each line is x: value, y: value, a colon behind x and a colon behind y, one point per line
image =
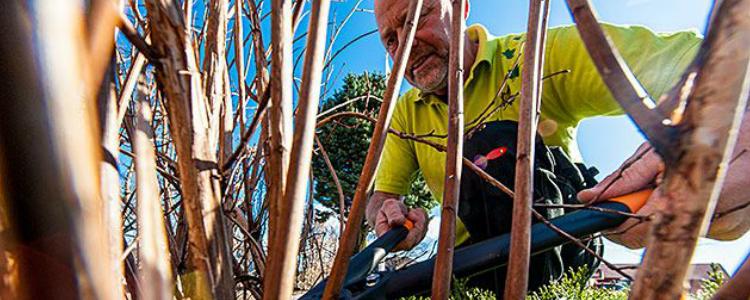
x: 364, y: 282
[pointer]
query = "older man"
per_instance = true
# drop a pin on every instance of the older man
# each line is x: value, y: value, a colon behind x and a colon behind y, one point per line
x: 656, y: 59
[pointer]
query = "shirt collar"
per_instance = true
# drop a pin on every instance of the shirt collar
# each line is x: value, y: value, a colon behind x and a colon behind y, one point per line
x: 485, y: 54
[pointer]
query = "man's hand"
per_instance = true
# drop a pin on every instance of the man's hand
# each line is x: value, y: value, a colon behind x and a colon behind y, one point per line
x: 642, y: 170
x: 731, y: 219
x: 385, y: 211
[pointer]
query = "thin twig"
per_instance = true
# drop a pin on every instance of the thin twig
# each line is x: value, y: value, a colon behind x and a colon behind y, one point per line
x: 140, y: 43
x: 476, y: 123
x: 336, y: 182
x: 594, y: 208
x: 443, y: 270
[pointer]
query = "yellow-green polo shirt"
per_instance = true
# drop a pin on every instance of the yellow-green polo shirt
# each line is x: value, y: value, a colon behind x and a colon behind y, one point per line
x: 656, y: 59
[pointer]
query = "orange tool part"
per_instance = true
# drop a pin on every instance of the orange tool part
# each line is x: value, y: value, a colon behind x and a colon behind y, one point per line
x: 634, y: 201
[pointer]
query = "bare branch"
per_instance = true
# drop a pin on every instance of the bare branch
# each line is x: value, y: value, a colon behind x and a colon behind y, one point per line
x: 283, y: 257
x: 154, y: 259
x: 178, y: 77
x: 336, y: 181
x: 443, y: 271
x: 620, y: 80
x: 140, y: 43
x: 103, y: 17
x: 356, y: 214
x: 33, y: 191
x: 531, y: 95
x: 58, y: 33
x: 697, y: 166
x: 110, y: 178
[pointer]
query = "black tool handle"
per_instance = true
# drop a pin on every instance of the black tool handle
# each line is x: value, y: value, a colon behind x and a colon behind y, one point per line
x: 365, y: 261
x: 494, y: 253
x: 477, y: 258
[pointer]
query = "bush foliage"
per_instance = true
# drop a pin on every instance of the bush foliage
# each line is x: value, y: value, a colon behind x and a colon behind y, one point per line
x: 574, y: 285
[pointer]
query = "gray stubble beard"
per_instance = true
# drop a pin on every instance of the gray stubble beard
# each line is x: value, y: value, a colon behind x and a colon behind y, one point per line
x: 443, y: 84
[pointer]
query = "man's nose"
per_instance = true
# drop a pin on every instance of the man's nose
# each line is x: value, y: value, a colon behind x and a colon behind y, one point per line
x: 414, y: 45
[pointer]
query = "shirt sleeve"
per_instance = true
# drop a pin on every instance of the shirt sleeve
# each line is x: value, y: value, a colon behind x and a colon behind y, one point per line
x: 398, y: 162
x: 657, y: 60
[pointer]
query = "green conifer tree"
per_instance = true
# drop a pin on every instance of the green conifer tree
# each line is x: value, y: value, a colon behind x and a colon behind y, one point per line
x: 346, y: 141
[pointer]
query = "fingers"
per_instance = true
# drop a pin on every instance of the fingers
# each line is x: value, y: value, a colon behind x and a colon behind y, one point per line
x: 395, y: 211
x: 636, y: 173
x: 392, y: 213
x: 419, y: 217
x: 375, y: 203
x: 731, y: 219
x: 381, y: 225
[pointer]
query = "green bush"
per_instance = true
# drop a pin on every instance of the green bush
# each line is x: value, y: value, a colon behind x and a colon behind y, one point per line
x: 574, y: 286
x: 460, y: 291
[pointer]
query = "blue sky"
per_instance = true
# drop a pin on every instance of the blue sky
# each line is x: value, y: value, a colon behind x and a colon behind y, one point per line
x: 604, y: 142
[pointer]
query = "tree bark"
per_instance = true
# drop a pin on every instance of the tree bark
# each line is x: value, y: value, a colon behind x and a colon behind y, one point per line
x: 517, y: 279
x: 279, y: 130
x: 215, y: 76
x: 696, y: 167
x: 178, y: 77
x: 283, y: 256
x: 110, y: 178
x: 443, y: 271
x: 155, y: 270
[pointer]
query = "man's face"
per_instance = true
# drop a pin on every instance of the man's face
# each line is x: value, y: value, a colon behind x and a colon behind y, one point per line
x: 427, y: 68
